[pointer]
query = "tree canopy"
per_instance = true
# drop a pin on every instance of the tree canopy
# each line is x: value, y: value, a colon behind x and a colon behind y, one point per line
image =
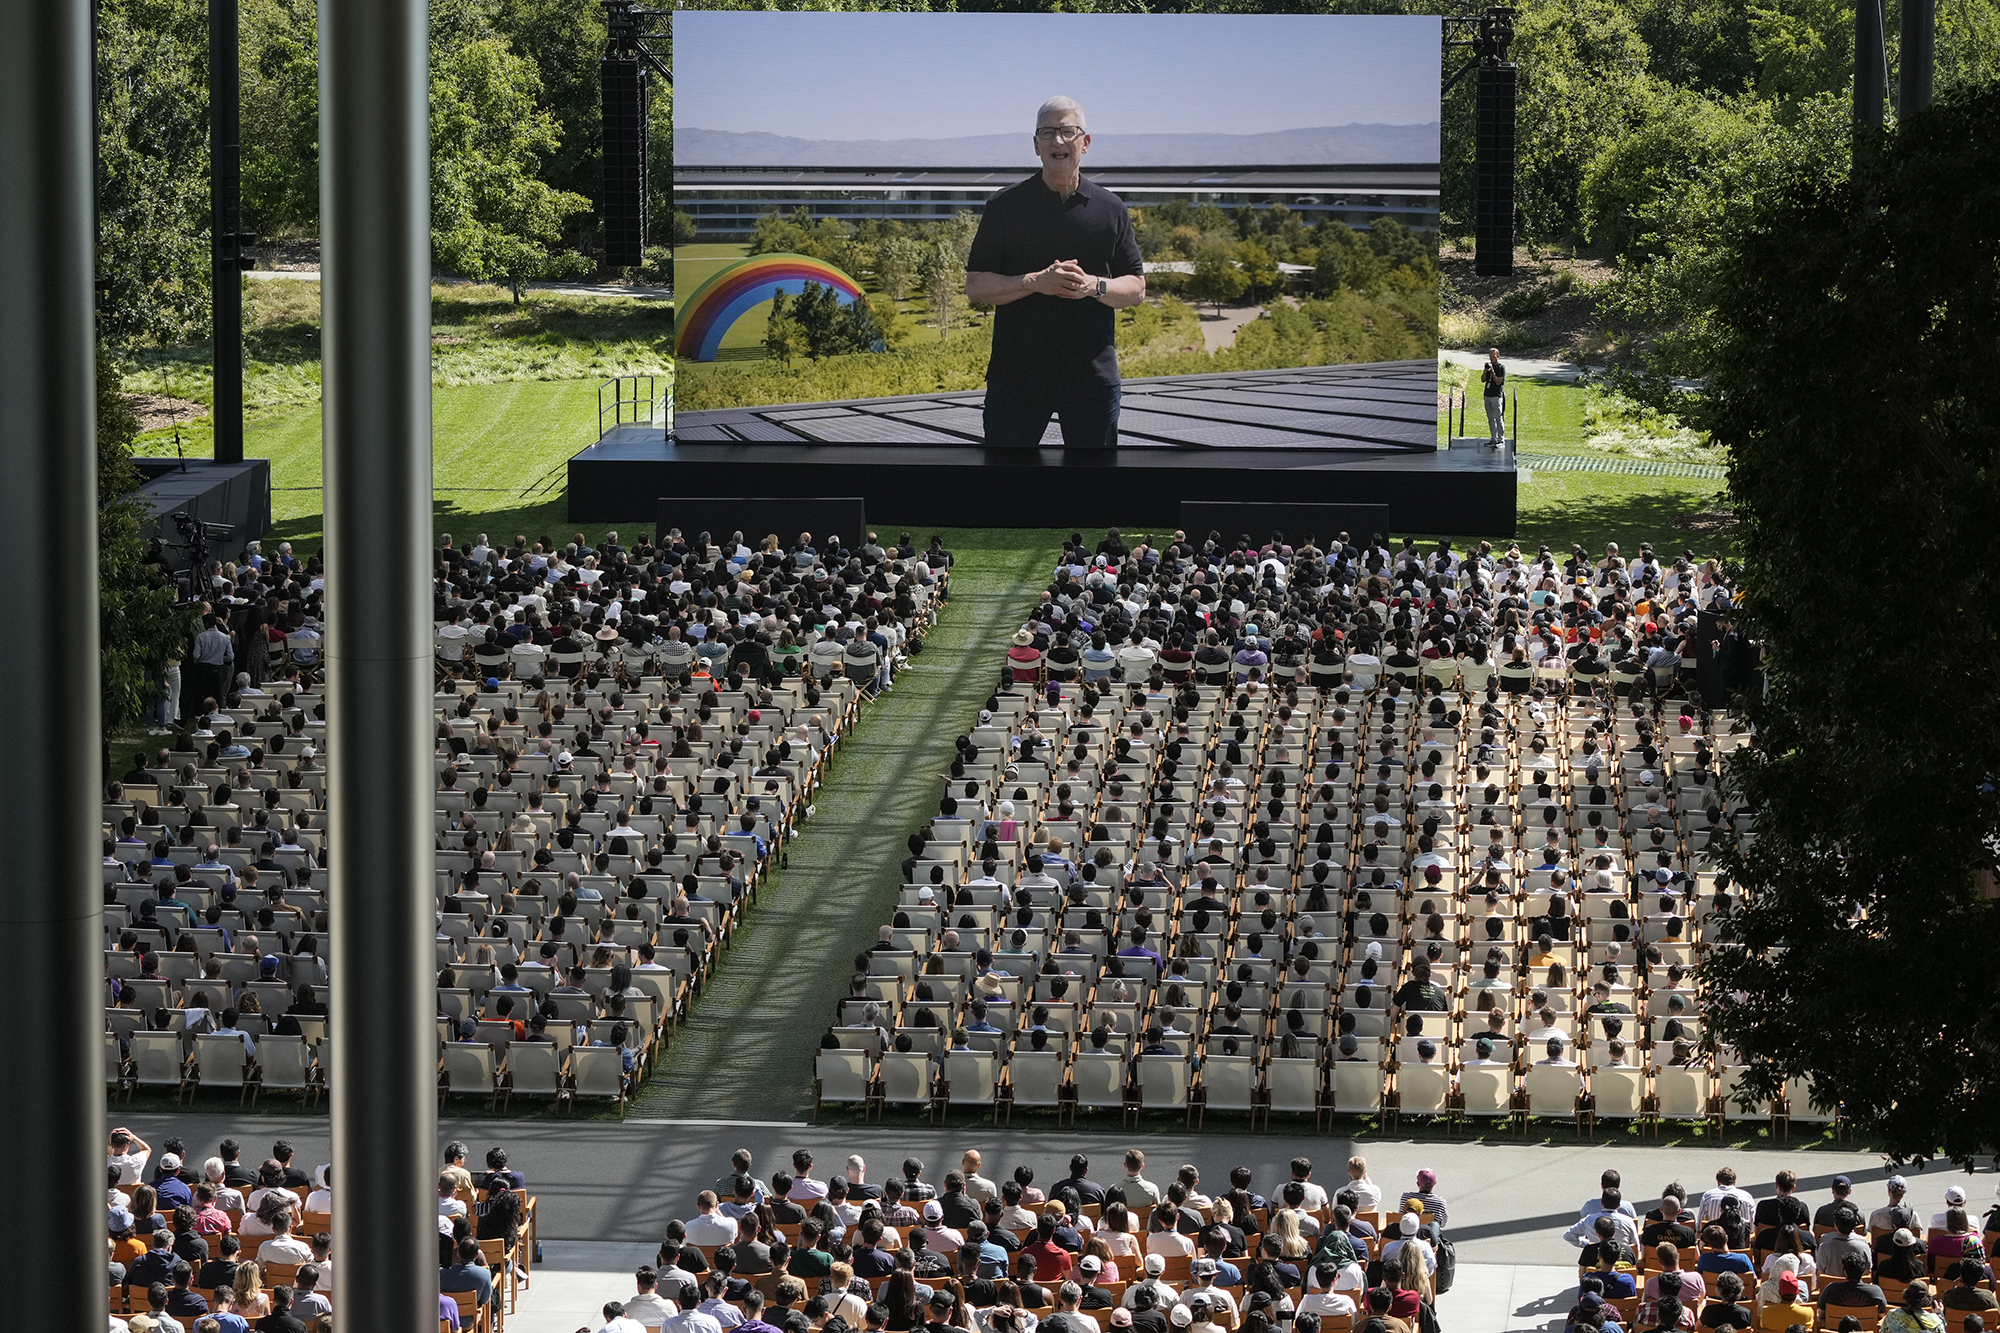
x: 1854, y: 344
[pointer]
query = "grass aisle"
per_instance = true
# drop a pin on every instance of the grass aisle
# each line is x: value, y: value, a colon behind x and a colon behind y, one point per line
x: 745, y: 1053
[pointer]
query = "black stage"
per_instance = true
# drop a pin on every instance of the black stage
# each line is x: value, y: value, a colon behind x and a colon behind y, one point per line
x: 1355, y: 435
x: 238, y: 494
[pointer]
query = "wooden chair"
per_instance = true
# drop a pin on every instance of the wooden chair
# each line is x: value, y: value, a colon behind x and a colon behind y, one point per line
x: 500, y: 1259
x: 472, y: 1316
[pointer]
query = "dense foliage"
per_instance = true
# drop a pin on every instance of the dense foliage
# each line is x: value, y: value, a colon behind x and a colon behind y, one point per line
x: 514, y: 128
x: 139, y: 629
x: 152, y: 71
x: 1852, y: 383
x: 816, y: 324
x: 491, y: 217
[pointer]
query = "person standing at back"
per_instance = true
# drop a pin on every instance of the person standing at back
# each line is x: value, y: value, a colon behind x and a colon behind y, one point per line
x: 1493, y: 383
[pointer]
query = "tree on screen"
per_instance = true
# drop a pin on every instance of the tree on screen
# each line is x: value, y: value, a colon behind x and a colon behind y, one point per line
x: 1260, y: 269
x: 896, y: 260
x: 1216, y: 278
x: 941, y: 271
x: 783, y: 338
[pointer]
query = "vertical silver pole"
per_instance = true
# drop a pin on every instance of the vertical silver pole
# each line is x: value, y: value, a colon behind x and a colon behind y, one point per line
x: 376, y: 406
x: 50, y: 896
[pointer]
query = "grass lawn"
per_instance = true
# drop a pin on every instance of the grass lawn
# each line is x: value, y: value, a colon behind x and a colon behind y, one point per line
x: 478, y: 336
x: 494, y: 446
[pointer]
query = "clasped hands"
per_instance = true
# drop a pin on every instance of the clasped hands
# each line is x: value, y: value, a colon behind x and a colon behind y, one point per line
x: 1065, y: 278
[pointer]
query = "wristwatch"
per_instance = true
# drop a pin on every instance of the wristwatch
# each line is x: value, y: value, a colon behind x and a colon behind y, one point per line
x: 1100, y: 288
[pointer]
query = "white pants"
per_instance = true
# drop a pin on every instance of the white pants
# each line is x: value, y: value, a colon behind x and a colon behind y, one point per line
x: 1496, y: 418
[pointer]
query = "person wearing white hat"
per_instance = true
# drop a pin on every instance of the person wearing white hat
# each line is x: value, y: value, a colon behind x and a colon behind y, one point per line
x: 1163, y: 1295
x: 1954, y: 1197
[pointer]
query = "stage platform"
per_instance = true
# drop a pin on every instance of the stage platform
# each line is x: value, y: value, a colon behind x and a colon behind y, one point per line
x: 1349, y: 435
x: 623, y: 477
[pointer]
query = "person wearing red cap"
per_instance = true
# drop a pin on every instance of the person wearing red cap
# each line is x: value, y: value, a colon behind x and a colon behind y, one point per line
x: 1789, y: 1308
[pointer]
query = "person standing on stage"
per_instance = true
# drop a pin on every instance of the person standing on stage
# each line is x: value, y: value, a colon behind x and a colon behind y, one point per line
x: 1056, y: 256
x: 1493, y: 378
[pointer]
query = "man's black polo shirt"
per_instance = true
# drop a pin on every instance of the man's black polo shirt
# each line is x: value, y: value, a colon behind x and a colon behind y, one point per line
x: 1027, y: 227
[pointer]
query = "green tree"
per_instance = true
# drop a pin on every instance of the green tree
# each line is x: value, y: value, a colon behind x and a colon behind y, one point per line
x: 1683, y: 135
x: 858, y: 330
x: 279, y: 81
x: 784, y: 339
x: 1583, y: 83
x: 564, y: 40
x: 685, y: 231
x: 782, y: 233
x: 1260, y: 270
x: 896, y: 259
x: 890, y: 319
x: 139, y: 629
x: 152, y: 70
x: 1216, y: 278
x: 1700, y: 45
x: 1673, y: 280
x: 491, y: 217
x: 1855, y: 348
x: 941, y: 274
x: 1399, y: 246
x: 818, y: 314
x: 1345, y: 261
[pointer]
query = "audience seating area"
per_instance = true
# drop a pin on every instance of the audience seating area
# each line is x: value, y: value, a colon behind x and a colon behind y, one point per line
x: 1784, y: 1261
x: 1207, y: 872
x: 1092, y: 1253
x: 191, y: 1239
x: 612, y: 793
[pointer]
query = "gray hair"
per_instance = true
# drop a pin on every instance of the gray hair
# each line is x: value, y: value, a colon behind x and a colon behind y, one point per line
x: 1056, y: 106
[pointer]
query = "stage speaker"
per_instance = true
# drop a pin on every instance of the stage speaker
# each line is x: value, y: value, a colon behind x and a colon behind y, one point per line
x: 625, y: 192
x: 1493, y: 198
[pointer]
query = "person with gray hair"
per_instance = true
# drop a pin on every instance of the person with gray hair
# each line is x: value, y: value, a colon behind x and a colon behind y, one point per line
x: 1056, y: 256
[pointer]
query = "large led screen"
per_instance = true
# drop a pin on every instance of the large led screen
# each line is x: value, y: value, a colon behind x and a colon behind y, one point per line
x: 1186, y: 232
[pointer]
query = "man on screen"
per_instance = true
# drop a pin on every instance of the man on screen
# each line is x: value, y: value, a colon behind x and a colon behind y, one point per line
x: 1056, y: 256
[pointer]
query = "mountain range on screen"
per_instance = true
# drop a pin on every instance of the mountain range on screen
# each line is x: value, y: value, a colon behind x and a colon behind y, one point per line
x: 1318, y: 145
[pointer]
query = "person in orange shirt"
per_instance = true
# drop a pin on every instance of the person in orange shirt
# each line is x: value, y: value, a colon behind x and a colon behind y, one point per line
x: 127, y: 1245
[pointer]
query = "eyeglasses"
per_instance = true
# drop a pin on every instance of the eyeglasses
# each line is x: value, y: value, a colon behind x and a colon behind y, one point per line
x: 1062, y: 133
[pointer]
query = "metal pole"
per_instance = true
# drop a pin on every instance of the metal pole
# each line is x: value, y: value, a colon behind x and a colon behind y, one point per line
x: 1917, y: 57
x: 51, y: 903
x: 376, y: 408
x: 225, y: 198
x: 1871, y: 78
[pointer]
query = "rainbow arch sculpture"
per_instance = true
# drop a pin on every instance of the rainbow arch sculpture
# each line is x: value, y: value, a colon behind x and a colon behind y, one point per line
x: 732, y: 291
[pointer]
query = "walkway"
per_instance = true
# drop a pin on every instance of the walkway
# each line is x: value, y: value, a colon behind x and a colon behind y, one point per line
x: 775, y: 990
x: 602, y: 1181
x: 1520, y: 367
x: 1630, y: 467
x: 1530, y: 368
